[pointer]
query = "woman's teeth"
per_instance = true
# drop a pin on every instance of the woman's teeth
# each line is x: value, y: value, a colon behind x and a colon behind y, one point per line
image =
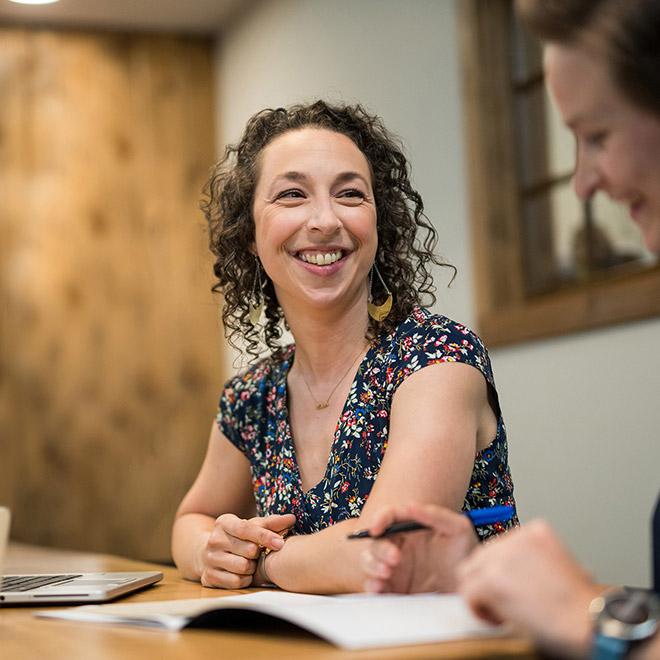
x: 320, y: 258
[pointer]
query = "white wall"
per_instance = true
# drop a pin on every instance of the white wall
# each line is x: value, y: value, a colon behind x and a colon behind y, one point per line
x: 584, y: 433
x: 585, y: 440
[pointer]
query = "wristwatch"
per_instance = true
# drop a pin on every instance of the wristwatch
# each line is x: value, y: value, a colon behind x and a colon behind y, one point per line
x: 623, y: 618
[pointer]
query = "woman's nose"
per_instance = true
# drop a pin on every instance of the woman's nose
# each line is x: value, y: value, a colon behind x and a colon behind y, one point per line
x: 586, y: 178
x: 323, y: 219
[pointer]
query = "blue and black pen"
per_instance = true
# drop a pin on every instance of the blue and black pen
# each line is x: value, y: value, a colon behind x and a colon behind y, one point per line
x: 479, y: 517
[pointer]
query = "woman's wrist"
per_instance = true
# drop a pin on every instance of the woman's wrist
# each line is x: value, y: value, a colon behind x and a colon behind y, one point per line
x: 269, y: 563
x: 261, y: 577
x: 200, y: 553
x: 579, y: 632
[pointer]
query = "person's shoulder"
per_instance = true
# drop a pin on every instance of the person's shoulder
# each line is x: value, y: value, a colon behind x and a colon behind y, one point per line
x: 439, y: 332
x: 244, y: 400
x: 259, y: 375
x: 424, y: 338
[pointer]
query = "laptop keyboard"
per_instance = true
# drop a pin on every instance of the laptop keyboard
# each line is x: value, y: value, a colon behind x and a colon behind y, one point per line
x: 27, y: 582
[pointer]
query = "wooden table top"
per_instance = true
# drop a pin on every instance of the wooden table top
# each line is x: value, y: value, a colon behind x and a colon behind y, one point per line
x: 22, y: 636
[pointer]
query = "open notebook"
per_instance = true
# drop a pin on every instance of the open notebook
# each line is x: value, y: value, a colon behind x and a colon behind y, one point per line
x: 353, y: 621
x: 57, y: 588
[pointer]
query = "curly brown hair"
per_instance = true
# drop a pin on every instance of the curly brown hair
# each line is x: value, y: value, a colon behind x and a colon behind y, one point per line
x: 402, y: 258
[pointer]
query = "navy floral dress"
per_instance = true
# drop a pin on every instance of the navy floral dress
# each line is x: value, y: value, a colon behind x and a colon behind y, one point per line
x: 253, y: 415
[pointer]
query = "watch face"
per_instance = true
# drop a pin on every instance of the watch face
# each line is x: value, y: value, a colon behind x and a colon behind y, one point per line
x: 628, y: 609
x: 629, y: 615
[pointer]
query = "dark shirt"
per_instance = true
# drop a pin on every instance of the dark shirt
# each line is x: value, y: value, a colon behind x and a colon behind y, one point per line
x: 656, y: 547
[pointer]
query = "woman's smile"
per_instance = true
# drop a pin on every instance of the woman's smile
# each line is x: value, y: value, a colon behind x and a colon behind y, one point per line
x: 320, y: 258
x: 322, y: 263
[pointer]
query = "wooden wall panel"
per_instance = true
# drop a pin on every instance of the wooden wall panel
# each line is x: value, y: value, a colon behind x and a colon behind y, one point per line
x: 109, y: 338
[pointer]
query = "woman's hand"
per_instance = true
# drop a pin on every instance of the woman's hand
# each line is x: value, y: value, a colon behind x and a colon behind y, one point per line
x: 417, y: 561
x: 528, y: 578
x: 230, y: 552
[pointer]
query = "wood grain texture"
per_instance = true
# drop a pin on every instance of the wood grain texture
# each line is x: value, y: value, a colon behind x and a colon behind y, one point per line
x: 109, y: 338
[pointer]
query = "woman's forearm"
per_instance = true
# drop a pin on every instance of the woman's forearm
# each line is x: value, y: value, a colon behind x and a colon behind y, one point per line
x: 323, y: 563
x: 190, y: 534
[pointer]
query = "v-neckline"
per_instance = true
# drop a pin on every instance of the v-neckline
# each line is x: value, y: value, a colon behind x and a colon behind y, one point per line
x: 289, y: 439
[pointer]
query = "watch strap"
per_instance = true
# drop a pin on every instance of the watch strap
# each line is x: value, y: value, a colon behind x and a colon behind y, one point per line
x: 609, y: 648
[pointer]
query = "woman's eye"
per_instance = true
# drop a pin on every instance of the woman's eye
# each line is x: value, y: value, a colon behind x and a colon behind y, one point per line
x: 292, y: 193
x: 352, y: 194
x: 596, y: 139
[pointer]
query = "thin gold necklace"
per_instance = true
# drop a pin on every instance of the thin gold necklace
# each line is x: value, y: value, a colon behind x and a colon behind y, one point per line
x: 320, y: 405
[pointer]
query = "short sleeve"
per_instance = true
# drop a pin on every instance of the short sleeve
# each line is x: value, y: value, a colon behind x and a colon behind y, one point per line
x: 426, y: 339
x: 249, y: 402
x: 242, y: 406
x: 229, y: 414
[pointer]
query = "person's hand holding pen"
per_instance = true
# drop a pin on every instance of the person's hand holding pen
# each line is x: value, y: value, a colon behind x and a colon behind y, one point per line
x: 416, y: 561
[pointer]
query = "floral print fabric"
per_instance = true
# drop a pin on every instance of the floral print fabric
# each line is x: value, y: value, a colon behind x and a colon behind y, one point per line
x: 253, y: 415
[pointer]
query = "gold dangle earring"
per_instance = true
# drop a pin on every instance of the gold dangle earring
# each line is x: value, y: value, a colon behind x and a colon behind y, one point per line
x: 256, y: 302
x: 378, y: 312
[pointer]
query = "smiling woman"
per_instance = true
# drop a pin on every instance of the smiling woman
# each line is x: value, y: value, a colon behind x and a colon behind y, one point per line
x: 617, y: 142
x: 315, y: 228
x: 402, y: 225
x: 312, y: 216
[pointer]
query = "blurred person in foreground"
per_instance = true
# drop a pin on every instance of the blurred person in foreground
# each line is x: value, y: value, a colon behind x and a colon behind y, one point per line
x: 602, y: 66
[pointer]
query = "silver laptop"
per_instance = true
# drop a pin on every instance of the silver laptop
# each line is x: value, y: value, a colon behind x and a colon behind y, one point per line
x: 59, y: 588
